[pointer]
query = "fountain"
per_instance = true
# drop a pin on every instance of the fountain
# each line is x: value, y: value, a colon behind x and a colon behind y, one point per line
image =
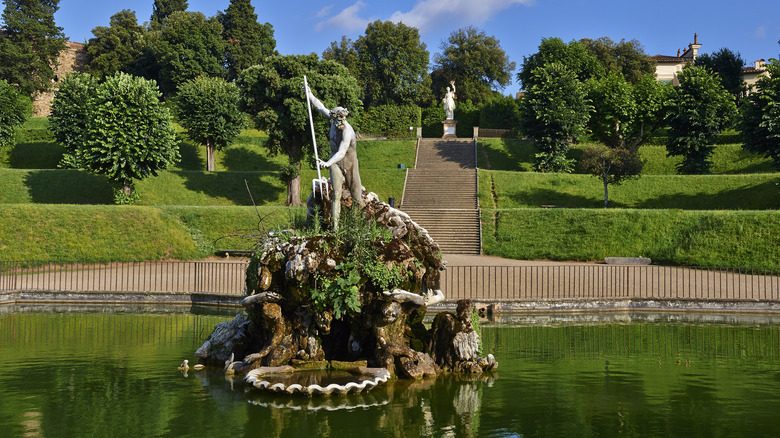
x: 347, y: 292
x: 351, y: 299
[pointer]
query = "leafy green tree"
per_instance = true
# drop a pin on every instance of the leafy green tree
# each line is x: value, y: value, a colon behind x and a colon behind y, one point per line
x: 500, y: 112
x: 163, y: 9
x: 574, y: 55
x: 15, y: 107
x: 30, y: 44
x: 625, y: 115
x: 476, y: 62
x: 248, y: 41
x: 188, y: 45
x: 392, y: 65
x: 728, y: 65
x: 272, y: 94
x: 344, y: 53
x: 208, y: 109
x: 71, y: 110
x: 126, y: 133
x: 612, y: 165
x: 115, y: 48
x: 627, y: 58
x: 698, y: 110
x: 555, y: 109
x: 760, y: 126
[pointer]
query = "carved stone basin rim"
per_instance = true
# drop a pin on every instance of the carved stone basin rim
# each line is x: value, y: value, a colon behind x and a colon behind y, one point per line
x: 371, y: 377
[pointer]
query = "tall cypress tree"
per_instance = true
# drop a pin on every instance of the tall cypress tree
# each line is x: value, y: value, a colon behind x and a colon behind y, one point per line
x: 162, y: 9
x: 30, y: 44
x: 248, y: 41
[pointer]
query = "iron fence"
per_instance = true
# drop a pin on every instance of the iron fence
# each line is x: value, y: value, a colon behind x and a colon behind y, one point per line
x: 488, y: 283
x: 191, y: 277
x: 596, y: 281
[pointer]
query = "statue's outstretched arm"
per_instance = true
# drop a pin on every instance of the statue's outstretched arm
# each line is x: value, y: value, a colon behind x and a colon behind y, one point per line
x: 317, y: 104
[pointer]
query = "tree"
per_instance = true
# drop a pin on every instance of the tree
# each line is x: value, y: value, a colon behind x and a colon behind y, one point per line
x: 760, y: 126
x: 574, y: 55
x: 15, y: 107
x: 126, y: 134
x: 188, y: 45
x: 71, y: 110
x: 627, y: 58
x: 208, y: 109
x: 392, y: 65
x: 625, y: 115
x: 612, y: 165
x: 555, y: 109
x: 115, y: 48
x: 163, y: 9
x: 248, y: 42
x: 272, y: 94
x: 476, y: 62
x: 30, y: 44
x: 344, y: 53
x: 728, y: 65
x: 698, y: 110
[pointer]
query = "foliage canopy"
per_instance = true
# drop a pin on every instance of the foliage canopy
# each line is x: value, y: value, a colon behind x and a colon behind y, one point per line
x: 760, y: 126
x: 115, y: 48
x: 698, y: 110
x: 475, y: 61
x: 555, y: 109
x: 30, y: 44
x: 248, y: 42
x: 208, y: 109
x: 117, y: 128
x: 14, y: 109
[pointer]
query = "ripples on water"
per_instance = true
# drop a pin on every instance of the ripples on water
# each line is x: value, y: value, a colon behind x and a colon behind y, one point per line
x: 97, y: 373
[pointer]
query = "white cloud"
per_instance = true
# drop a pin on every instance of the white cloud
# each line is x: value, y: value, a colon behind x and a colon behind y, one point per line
x: 347, y: 20
x: 760, y: 32
x: 430, y: 14
x: 425, y: 15
x: 324, y: 11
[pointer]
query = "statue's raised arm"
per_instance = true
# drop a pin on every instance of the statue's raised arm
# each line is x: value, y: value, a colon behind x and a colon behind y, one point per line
x: 343, y: 163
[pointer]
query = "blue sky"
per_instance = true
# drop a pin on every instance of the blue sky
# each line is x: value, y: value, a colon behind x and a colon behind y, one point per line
x: 750, y: 27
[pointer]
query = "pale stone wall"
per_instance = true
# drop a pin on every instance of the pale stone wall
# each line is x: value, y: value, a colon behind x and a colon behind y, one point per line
x: 73, y: 58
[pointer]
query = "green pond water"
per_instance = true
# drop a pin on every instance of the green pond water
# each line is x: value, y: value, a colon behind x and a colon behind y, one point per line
x: 98, y: 372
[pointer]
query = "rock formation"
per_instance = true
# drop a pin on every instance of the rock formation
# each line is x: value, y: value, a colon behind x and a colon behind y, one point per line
x: 358, y: 293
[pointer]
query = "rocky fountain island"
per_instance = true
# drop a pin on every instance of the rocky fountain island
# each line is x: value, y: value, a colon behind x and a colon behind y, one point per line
x: 334, y: 311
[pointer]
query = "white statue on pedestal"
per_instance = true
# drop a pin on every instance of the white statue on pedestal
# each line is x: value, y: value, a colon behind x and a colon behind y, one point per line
x: 449, y: 101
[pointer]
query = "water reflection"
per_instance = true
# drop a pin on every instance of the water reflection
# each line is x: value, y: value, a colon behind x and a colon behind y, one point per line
x: 114, y: 374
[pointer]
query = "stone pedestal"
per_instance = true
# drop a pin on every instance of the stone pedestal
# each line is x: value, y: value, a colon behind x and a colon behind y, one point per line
x: 449, y: 128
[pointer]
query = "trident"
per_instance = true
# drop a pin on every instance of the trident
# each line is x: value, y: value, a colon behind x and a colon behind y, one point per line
x: 320, y: 182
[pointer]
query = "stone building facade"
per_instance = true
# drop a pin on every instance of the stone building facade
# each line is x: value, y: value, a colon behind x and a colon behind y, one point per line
x: 73, y: 58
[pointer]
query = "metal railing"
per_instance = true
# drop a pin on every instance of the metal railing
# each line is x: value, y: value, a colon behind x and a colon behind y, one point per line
x: 484, y: 283
x: 190, y: 277
x: 582, y: 281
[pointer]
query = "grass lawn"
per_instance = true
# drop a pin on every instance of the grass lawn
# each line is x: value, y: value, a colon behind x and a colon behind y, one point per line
x: 518, y: 155
x: 676, y: 237
x: 101, y: 233
x: 690, y: 192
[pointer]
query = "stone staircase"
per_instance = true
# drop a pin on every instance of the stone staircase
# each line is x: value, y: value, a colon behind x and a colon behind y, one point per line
x: 440, y: 194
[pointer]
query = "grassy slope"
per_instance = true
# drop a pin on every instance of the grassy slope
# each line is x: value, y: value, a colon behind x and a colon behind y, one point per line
x: 111, y: 233
x: 696, y: 238
x: 215, y: 206
x: 691, y: 192
x: 518, y: 155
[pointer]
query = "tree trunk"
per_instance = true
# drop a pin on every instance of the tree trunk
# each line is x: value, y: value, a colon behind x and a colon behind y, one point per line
x: 606, y: 193
x: 127, y: 188
x: 294, y: 189
x: 209, y: 156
